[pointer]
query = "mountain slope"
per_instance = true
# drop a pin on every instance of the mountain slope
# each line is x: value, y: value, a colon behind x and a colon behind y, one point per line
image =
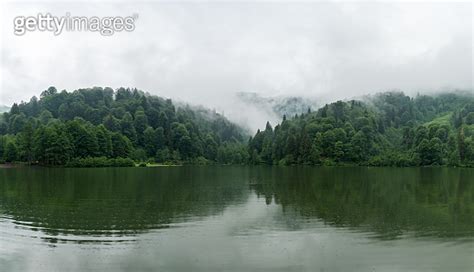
x: 4, y: 108
x: 280, y: 105
x: 100, y: 126
x: 388, y: 129
x: 98, y: 122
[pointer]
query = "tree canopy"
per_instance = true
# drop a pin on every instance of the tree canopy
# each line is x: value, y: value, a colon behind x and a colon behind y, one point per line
x: 102, y: 125
x: 65, y: 127
x: 389, y: 129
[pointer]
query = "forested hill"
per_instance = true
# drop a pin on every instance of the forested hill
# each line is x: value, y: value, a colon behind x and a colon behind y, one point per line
x: 389, y: 129
x: 99, y: 126
x: 103, y: 127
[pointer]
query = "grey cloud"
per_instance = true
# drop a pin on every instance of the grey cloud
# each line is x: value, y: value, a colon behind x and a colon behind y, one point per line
x: 203, y: 53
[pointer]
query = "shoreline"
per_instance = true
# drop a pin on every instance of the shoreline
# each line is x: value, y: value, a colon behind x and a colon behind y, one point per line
x: 153, y: 165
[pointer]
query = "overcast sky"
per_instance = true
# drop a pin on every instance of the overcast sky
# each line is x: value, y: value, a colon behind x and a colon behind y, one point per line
x: 202, y: 53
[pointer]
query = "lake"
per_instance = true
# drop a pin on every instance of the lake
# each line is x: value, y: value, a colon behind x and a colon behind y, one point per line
x: 214, y: 218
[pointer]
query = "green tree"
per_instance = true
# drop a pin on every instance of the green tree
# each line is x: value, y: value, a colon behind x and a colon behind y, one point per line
x: 163, y: 155
x: 470, y: 118
x: 140, y: 123
x: 150, y: 141
x: 111, y: 123
x: 11, y: 153
x: 210, y: 151
x: 45, y: 117
x: 267, y: 144
x: 104, y: 141
x: 121, y: 146
x: 128, y: 129
x: 430, y: 151
x: 25, y: 143
x: 83, y: 139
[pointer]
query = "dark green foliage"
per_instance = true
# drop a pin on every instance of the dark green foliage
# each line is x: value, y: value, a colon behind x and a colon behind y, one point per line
x: 121, y: 146
x: 140, y: 123
x: 111, y: 123
x: 52, y: 145
x: 163, y: 155
x: 83, y: 138
x: 232, y: 153
x: 25, y: 143
x: 91, y: 126
x: 391, y: 130
x: 104, y: 141
x: 96, y: 125
x: 128, y: 130
x: 151, y: 141
x: 10, y: 153
x: 470, y: 119
x: 101, y: 162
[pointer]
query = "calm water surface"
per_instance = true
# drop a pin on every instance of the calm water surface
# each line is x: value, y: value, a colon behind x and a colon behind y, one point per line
x: 237, y: 219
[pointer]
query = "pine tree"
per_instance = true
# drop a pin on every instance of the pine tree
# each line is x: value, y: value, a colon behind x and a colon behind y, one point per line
x: 11, y: 153
x: 128, y: 129
x: 25, y: 143
x: 104, y: 141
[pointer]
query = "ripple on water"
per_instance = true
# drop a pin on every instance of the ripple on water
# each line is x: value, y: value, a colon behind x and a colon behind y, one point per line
x: 34, y: 233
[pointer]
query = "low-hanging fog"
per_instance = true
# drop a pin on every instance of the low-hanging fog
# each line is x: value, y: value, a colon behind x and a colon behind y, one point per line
x: 207, y: 53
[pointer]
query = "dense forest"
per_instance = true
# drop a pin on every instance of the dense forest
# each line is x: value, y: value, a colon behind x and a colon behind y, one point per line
x: 388, y: 129
x: 103, y: 127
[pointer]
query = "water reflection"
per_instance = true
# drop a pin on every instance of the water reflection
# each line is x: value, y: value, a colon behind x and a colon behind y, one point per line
x: 88, y: 205
x: 104, y: 206
x: 391, y: 203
